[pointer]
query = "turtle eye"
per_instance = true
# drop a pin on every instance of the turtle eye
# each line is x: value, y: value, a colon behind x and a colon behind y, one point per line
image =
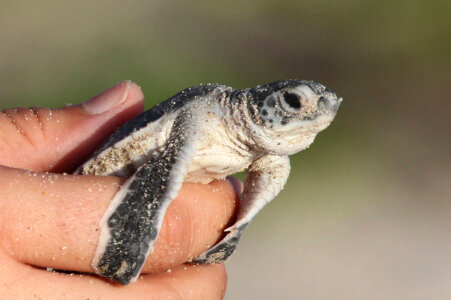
x: 292, y: 100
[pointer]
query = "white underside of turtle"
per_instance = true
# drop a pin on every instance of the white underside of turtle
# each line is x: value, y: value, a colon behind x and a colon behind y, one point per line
x: 203, y: 133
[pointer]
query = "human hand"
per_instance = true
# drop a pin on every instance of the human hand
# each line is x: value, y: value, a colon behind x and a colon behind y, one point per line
x: 50, y: 220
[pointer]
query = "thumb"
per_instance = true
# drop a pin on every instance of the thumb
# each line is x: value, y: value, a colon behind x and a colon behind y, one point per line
x: 57, y: 140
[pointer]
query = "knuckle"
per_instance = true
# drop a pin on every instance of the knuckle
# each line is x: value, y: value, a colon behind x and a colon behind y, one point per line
x: 28, y: 123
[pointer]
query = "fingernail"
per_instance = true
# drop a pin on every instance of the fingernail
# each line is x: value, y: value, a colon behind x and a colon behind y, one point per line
x: 109, y: 99
x: 237, y: 185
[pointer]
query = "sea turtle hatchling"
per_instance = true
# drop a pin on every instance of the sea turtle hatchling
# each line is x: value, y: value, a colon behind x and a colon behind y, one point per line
x: 203, y: 133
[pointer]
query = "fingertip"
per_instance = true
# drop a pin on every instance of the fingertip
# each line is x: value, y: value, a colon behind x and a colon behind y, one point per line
x: 43, y: 139
x: 78, y: 130
x: 124, y: 93
x: 186, y: 281
x: 237, y: 184
x: 222, y: 279
x: 136, y: 95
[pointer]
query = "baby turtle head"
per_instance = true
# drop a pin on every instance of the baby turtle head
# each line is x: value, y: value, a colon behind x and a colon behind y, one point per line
x: 288, y: 114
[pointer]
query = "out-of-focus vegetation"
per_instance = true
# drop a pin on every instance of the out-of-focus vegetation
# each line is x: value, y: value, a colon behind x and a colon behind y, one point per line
x: 366, y: 212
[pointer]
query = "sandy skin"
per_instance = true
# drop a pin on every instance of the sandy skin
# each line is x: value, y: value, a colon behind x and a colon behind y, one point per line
x: 50, y: 221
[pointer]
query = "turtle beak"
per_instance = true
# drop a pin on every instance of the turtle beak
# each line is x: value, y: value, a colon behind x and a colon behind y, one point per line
x: 331, y: 102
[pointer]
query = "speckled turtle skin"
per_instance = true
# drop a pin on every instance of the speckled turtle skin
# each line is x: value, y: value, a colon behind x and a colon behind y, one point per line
x: 203, y: 133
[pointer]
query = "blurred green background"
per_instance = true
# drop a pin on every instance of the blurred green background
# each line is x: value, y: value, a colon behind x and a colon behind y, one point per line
x: 366, y: 211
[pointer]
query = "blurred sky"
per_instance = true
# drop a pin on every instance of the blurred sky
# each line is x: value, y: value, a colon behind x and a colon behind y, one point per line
x: 366, y: 211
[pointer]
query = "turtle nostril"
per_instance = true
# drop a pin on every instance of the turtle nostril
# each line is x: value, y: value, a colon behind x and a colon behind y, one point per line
x: 323, y: 100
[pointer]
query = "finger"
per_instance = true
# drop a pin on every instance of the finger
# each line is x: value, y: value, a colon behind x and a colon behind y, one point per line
x: 43, y: 139
x: 52, y: 220
x: 183, y: 282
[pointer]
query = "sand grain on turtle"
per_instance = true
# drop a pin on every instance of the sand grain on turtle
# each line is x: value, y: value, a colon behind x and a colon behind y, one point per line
x: 203, y: 133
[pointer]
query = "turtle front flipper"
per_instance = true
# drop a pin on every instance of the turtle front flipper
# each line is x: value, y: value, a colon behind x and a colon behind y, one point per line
x: 132, y: 222
x: 265, y: 178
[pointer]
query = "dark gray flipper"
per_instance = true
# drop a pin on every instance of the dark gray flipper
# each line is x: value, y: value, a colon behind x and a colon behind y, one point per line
x: 222, y: 250
x: 133, y: 220
x: 265, y: 178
